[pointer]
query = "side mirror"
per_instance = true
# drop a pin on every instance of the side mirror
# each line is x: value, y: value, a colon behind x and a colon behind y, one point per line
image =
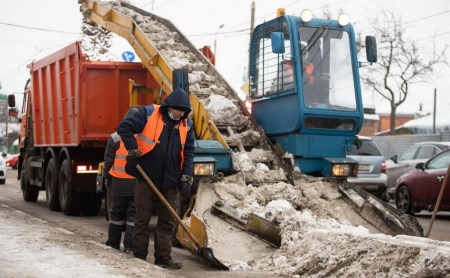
x: 13, y: 112
x: 4, y: 154
x: 394, y: 158
x: 371, y: 49
x: 420, y: 166
x: 11, y: 100
x: 277, y: 39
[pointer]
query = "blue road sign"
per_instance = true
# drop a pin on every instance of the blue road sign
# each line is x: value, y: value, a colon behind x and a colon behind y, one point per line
x: 128, y: 56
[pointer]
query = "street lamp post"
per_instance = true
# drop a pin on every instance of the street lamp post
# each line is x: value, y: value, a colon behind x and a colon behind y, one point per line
x: 215, y: 41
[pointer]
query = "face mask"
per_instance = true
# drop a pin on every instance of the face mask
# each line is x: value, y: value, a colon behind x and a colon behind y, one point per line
x: 171, y: 116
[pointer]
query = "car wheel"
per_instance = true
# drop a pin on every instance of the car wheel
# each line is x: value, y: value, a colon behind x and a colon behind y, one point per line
x: 51, y: 186
x: 2, y: 181
x: 15, y: 165
x: 404, y: 201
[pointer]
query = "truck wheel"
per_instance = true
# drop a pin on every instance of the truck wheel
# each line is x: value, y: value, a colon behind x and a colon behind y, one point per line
x: 69, y: 200
x: 404, y: 201
x: 51, y: 186
x: 30, y: 192
x: 92, y: 202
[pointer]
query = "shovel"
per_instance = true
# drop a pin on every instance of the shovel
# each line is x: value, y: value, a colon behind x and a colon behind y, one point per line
x: 204, y: 252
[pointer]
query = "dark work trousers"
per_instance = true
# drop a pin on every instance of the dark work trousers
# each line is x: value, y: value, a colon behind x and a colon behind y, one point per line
x: 123, y: 213
x: 147, y: 202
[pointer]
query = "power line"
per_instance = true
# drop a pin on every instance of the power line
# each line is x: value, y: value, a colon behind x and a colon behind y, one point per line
x: 39, y: 29
x: 426, y: 17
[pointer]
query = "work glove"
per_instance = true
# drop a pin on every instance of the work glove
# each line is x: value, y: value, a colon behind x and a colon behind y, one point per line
x: 132, y: 157
x: 186, y: 184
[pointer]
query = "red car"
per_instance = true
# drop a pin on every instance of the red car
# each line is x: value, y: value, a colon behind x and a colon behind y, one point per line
x: 419, y: 188
x: 11, y: 161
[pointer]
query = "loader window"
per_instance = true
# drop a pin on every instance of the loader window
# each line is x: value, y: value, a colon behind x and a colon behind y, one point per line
x: 327, y: 69
x: 271, y: 72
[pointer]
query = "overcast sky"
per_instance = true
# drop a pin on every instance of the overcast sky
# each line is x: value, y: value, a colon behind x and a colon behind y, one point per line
x: 31, y: 29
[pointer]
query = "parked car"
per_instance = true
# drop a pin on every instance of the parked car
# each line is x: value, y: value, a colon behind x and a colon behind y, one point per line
x: 419, y: 189
x: 405, y: 162
x: 2, y: 169
x: 371, y: 168
x: 12, y: 160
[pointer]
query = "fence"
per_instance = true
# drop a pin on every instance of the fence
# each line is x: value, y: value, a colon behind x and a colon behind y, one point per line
x: 391, y: 145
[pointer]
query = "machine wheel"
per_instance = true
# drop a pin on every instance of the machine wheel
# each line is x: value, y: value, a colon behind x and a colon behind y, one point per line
x: 30, y: 192
x: 404, y: 201
x: 92, y: 202
x: 51, y: 186
x: 69, y: 200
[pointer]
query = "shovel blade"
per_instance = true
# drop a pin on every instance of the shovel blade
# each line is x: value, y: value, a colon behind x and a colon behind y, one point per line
x: 207, y: 254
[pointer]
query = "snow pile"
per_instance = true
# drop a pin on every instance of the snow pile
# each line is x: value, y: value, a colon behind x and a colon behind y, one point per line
x: 318, y: 240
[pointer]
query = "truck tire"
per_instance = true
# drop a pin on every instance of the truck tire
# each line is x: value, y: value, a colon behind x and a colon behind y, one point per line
x: 92, y: 202
x: 69, y: 200
x: 30, y: 192
x: 51, y: 186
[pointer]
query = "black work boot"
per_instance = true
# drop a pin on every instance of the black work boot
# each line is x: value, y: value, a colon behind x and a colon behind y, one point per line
x: 128, y: 238
x: 114, y: 236
x: 167, y: 262
x: 140, y: 255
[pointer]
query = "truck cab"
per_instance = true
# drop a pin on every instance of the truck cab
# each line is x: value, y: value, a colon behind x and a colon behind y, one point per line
x: 305, y: 90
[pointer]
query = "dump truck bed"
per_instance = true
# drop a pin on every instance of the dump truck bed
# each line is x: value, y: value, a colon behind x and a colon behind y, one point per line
x: 79, y: 102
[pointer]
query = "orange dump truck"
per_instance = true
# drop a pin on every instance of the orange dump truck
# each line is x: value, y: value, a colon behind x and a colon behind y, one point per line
x: 70, y: 108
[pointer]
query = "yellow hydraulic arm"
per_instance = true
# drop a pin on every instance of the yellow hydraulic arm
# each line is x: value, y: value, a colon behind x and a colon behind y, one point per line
x: 150, y: 57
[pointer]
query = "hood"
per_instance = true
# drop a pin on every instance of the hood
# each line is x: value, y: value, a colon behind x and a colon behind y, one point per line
x: 179, y: 100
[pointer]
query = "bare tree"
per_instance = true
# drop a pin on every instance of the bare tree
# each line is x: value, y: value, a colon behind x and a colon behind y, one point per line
x: 400, y: 63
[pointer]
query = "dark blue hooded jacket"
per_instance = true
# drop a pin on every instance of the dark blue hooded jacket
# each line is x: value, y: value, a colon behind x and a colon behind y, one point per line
x: 162, y: 164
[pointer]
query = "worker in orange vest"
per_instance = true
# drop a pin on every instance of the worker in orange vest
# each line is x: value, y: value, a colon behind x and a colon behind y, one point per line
x: 121, y: 187
x: 164, y: 148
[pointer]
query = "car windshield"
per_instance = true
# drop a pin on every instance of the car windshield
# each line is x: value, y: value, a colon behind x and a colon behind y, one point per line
x: 408, y: 154
x: 440, y: 161
x: 368, y: 147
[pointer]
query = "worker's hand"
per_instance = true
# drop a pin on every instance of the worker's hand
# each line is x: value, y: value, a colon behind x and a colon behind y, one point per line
x: 186, y: 184
x: 132, y: 157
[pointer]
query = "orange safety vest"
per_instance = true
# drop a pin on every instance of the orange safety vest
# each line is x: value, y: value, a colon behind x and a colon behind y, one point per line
x: 120, y: 160
x: 148, y: 138
x: 309, y: 70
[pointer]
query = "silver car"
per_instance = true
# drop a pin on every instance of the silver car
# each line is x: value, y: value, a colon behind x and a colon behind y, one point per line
x: 407, y: 161
x: 371, y: 168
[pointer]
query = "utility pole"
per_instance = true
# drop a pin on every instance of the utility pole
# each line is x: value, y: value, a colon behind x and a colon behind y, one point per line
x: 252, y: 26
x: 5, y: 139
x: 434, y: 112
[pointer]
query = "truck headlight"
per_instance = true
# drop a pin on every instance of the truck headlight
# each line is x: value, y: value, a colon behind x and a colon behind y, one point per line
x: 204, y: 169
x: 306, y: 15
x: 341, y: 170
x: 343, y: 19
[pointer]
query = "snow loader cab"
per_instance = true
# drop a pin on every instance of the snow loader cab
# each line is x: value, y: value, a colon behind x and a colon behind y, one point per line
x: 305, y: 90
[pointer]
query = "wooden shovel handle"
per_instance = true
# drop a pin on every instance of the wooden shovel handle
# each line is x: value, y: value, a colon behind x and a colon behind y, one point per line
x: 168, y: 206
